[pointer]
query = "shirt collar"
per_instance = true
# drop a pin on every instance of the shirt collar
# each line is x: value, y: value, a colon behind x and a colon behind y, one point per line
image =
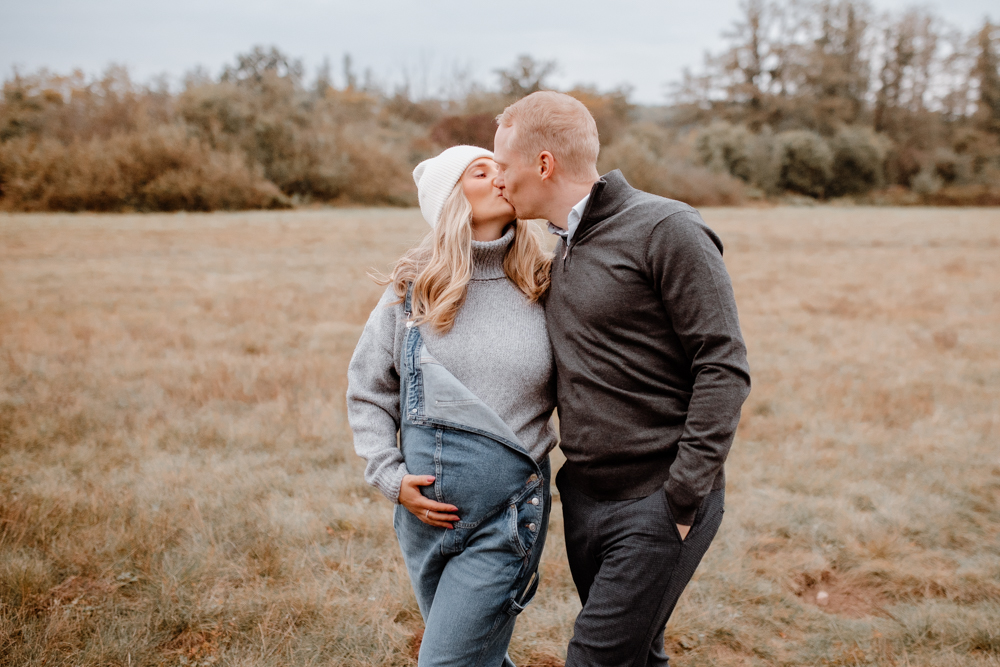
x: 572, y: 220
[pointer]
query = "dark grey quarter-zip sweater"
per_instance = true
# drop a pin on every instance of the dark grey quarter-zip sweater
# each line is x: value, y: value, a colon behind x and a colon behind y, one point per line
x: 651, y: 365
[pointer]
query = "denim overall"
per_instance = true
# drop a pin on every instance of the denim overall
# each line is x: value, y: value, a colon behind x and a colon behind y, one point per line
x: 470, y: 582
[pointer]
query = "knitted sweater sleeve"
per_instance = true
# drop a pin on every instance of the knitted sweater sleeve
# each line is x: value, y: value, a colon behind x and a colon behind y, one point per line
x: 686, y: 261
x: 373, y: 397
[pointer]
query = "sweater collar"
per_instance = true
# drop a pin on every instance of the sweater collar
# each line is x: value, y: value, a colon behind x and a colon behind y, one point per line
x: 488, y: 256
x: 609, y: 194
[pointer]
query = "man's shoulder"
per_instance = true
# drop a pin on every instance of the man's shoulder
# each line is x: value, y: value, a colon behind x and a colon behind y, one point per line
x: 647, y: 209
x: 664, y: 221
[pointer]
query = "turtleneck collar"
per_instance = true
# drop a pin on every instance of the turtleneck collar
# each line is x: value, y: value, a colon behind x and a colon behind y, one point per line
x: 487, y: 256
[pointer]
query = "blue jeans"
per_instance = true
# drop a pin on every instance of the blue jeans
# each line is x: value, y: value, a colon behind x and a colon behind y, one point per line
x: 470, y: 582
x: 473, y: 581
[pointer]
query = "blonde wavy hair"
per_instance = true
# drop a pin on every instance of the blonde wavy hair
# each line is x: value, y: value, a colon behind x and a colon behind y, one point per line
x: 440, y: 267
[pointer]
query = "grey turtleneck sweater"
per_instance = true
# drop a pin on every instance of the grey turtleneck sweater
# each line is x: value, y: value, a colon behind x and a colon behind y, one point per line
x: 498, y: 348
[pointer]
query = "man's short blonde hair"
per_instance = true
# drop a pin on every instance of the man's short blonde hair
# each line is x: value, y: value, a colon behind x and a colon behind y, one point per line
x: 557, y: 123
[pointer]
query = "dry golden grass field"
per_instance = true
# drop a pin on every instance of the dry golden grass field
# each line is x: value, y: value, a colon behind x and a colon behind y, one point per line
x: 178, y: 485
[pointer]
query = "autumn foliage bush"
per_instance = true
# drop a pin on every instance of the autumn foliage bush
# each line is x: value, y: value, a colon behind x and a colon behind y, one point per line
x: 668, y: 175
x: 260, y: 136
x: 256, y: 137
x: 160, y: 169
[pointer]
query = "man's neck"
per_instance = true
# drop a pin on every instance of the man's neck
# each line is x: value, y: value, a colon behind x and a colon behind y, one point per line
x: 563, y: 202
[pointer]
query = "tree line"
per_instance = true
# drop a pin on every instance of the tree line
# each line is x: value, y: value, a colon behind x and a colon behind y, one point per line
x: 809, y: 99
x: 830, y: 98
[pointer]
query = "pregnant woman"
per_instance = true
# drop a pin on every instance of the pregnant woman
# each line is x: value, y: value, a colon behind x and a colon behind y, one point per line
x: 456, y: 359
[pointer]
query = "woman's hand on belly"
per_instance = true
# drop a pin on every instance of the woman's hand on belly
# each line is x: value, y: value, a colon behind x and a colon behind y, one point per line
x: 429, y: 511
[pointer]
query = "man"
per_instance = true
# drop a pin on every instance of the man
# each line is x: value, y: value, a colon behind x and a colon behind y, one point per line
x: 651, y: 376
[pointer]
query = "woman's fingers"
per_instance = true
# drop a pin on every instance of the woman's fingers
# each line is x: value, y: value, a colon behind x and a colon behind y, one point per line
x: 410, y: 482
x: 431, y: 518
x: 428, y: 504
x: 441, y: 516
x: 425, y: 508
x: 439, y: 520
x: 429, y: 511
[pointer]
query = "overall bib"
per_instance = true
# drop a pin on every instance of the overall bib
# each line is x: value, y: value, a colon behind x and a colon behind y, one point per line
x: 470, y: 582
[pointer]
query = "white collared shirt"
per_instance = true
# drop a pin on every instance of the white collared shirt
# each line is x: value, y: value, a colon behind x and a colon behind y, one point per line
x: 572, y: 221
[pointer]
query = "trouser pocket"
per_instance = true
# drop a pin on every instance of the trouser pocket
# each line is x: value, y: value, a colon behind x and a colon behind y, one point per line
x: 712, y: 503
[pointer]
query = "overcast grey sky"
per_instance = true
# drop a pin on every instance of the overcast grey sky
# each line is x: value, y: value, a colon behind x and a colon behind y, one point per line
x: 644, y: 43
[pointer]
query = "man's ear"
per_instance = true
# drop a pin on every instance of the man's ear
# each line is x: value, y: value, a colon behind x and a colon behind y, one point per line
x: 546, y: 165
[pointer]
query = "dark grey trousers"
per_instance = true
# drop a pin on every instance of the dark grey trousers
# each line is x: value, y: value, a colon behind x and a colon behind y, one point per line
x: 630, y: 567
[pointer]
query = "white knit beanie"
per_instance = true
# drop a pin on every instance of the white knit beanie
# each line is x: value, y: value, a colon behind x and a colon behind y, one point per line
x: 436, y: 178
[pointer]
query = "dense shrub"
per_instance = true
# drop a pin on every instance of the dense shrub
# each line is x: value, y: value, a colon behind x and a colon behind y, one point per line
x: 326, y: 147
x: 670, y: 176
x: 612, y: 111
x: 475, y: 129
x: 805, y: 162
x: 858, y: 161
x: 926, y: 183
x: 379, y: 172
x: 259, y: 136
x: 727, y: 148
x: 161, y: 169
x: 950, y: 167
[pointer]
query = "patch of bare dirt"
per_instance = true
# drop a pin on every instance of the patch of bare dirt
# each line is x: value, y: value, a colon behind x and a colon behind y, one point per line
x: 415, y: 641
x: 543, y: 659
x: 839, y: 595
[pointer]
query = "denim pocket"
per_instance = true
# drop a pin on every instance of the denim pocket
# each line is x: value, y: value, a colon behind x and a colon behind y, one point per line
x: 455, y: 403
x: 526, y: 522
x: 514, y: 533
x: 517, y: 604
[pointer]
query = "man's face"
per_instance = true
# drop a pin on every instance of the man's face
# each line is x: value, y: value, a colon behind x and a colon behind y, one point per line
x: 516, y: 177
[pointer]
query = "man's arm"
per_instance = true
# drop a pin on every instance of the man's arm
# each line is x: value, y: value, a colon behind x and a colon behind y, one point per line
x: 685, y: 260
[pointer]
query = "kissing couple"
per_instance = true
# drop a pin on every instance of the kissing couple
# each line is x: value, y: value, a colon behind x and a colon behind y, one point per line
x: 630, y: 330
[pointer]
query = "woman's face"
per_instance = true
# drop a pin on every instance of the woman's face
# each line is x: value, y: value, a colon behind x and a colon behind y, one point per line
x: 488, y: 205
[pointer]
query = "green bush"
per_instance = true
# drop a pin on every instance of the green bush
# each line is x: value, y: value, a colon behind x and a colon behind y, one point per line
x: 726, y: 148
x: 732, y: 149
x: 952, y: 168
x: 859, y: 156
x: 805, y: 162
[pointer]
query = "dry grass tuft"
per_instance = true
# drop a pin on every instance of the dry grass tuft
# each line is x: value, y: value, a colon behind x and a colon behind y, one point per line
x: 178, y: 487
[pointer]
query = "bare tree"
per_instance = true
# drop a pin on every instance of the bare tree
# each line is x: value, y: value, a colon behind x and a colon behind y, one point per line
x: 987, y: 71
x: 525, y: 76
x: 838, y: 68
x: 254, y: 66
